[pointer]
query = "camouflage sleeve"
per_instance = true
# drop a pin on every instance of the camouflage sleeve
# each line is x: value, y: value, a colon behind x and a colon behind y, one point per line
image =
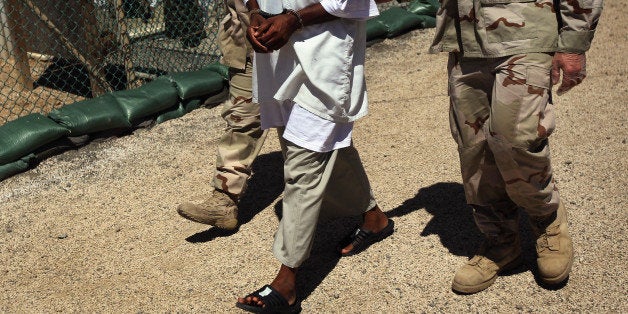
x: 578, y: 20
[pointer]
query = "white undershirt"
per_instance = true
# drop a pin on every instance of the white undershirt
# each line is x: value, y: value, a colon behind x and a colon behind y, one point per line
x: 304, y: 128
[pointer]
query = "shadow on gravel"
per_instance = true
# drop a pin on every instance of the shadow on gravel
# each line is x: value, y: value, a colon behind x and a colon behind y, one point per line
x: 324, y: 255
x: 452, y: 218
x: 452, y: 222
x: 264, y: 187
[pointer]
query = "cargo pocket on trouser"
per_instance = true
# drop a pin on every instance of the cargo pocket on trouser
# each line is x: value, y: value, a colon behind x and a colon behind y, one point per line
x: 521, y: 121
x: 539, y: 84
x: 520, y: 112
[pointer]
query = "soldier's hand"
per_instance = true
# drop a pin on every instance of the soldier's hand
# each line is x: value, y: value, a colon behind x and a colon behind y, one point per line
x: 574, y: 68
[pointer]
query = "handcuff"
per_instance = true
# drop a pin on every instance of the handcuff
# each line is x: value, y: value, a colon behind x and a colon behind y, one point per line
x: 267, y: 15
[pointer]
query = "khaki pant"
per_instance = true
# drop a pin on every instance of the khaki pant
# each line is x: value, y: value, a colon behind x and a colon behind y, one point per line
x: 501, y: 118
x: 332, y: 184
x: 243, y: 138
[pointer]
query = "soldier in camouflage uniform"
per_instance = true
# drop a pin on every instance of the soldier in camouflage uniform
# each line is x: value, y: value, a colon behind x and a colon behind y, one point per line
x: 504, y: 56
x: 243, y: 138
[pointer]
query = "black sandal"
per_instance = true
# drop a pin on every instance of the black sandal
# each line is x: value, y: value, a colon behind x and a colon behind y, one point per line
x: 362, y: 239
x: 274, y: 302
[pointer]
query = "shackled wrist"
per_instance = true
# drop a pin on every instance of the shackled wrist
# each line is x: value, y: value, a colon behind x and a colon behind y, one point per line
x: 297, y: 15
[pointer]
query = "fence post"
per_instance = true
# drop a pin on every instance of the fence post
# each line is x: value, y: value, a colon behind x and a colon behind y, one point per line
x: 95, y: 46
x: 125, y: 42
x: 5, y: 41
x: 19, y: 56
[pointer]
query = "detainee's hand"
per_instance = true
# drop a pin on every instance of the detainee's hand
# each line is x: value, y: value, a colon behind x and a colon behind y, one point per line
x: 255, y: 21
x: 574, y: 68
x: 275, y: 32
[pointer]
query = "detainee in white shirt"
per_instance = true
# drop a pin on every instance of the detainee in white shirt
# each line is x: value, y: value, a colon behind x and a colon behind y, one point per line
x: 309, y: 80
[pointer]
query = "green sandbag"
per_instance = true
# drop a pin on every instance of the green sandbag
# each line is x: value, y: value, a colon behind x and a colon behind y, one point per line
x: 25, y: 134
x: 91, y: 115
x: 197, y: 83
x: 216, y: 99
x: 219, y: 68
x: 15, y: 167
x: 192, y: 104
x: 399, y: 21
x: 150, y: 98
x: 428, y: 21
x: 424, y: 7
x: 171, y: 114
x: 186, y: 106
x: 375, y: 29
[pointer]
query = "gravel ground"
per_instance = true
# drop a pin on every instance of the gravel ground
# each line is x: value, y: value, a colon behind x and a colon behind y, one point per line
x: 95, y: 230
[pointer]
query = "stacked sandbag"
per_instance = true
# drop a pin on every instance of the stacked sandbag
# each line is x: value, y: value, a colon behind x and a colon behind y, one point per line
x: 143, y: 102
x: 395, y: 21
x: 204, y: 87
x: 91, y: 115
x: 35, y: 137
x: 219, y: 68
x: 22, y: 136
x: 424, y: 7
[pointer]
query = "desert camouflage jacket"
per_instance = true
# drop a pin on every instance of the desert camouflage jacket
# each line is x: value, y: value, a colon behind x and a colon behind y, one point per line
x: 497, y: 28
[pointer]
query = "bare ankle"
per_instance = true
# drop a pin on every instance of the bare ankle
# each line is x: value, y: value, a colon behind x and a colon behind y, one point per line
x: 375, y: 219
x: 285, y: 283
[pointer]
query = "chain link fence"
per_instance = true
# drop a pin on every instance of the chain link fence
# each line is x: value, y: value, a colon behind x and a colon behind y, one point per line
x: 55, y: 53
x: 59, y: 52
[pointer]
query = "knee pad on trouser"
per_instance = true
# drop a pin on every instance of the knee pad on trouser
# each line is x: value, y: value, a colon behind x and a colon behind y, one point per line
x: 528, y: 176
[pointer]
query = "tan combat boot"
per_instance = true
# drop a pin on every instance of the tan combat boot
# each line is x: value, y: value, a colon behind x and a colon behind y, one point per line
x: 554, y: 247
x: 219, y: 210
x: 494, y: 256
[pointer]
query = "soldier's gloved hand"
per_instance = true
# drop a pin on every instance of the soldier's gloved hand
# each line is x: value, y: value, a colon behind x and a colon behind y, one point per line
x: 574, y: 68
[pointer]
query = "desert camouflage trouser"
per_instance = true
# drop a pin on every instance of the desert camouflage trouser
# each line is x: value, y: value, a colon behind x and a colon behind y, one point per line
x: 501, y: 118
x: 243, y: 138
